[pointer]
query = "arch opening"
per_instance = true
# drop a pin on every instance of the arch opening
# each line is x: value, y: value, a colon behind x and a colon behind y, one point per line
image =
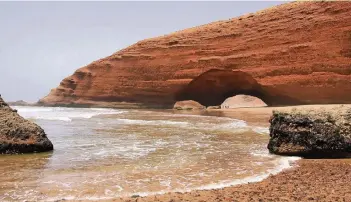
x: 213, y: 87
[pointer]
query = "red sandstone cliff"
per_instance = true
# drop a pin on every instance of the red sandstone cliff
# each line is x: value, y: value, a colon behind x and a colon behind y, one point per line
x: 290, y: 54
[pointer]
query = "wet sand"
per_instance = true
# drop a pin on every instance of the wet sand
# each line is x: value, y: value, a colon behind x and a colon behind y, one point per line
x: 308, y: 180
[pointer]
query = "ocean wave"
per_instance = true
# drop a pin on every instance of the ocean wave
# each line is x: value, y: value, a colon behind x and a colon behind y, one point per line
x: 151, y: 122
x: 234, y: 125
x: 49, y: 118
x: 63, y: 113
x: 32, y: 109
x: 281, y: 164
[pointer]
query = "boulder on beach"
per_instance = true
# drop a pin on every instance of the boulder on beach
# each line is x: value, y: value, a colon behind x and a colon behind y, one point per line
x: 242, y: 101
x: 188, y: 105
x: 18, y: 135
x: 314, y: 133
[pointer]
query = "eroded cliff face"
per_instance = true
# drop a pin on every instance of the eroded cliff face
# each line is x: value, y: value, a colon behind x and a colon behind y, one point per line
x: 296, y: 53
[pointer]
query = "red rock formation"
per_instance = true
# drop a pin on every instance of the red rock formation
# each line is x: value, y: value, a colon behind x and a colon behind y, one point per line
x: 214, y: 86
x: 300, y: 51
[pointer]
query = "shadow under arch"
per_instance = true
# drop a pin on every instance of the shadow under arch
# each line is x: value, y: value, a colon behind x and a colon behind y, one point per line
x: 214, y: 86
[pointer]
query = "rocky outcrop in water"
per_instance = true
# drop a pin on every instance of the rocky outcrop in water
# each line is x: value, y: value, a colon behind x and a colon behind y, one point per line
x: 293, y: 53
x: 188, y: 105
x: 18, y: 135
x: 317, y: 133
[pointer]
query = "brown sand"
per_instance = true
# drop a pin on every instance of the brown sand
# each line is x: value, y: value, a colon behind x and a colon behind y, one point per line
x: 308, y: 180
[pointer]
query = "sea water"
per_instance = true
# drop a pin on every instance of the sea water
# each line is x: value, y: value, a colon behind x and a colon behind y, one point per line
x: 109, y: 153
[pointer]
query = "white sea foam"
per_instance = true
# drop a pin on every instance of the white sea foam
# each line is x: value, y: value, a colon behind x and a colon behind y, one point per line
x: 282, y: 164
x: 261, y: 153
x: 261, y: 130
x: 233, y: 125
x: 32, y: 109
x: 151, y: 122
x: 62, y: 113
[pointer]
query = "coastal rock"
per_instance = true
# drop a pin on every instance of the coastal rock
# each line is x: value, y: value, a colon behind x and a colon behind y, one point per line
x: 317, y: 133
x: 242, y: 101
x: 188, y: 105
x: 18, y: 135
x: 20, y: 103
x: 295, y: 53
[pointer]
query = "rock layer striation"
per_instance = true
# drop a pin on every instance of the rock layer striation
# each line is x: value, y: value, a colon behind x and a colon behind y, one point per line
x: 295, y: 53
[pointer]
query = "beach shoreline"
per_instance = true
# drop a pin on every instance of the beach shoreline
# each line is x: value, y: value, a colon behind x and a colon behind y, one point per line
x: 292, y: 180
x: 306, y: 180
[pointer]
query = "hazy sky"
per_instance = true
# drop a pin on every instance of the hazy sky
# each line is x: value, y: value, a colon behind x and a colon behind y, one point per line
x: 43, y: 42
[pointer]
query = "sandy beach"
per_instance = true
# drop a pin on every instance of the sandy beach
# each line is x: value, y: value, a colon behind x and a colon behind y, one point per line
x: 307, y: 180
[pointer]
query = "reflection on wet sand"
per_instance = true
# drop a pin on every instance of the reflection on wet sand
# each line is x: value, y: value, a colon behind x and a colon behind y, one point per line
x: 21, y: 173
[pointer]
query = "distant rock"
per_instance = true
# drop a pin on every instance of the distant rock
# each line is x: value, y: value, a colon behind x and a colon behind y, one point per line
x: 18, y: 135
x: 242, y: 101
x: 317, y: 133
x: 188, y: 105
x: 20, y: 103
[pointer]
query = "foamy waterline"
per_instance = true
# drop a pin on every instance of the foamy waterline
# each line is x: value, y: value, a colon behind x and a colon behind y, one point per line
x: 62, y: 113
x: 283, y: 164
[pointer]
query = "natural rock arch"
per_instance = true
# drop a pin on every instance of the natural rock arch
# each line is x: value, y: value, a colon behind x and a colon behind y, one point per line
x: 214, y: 86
